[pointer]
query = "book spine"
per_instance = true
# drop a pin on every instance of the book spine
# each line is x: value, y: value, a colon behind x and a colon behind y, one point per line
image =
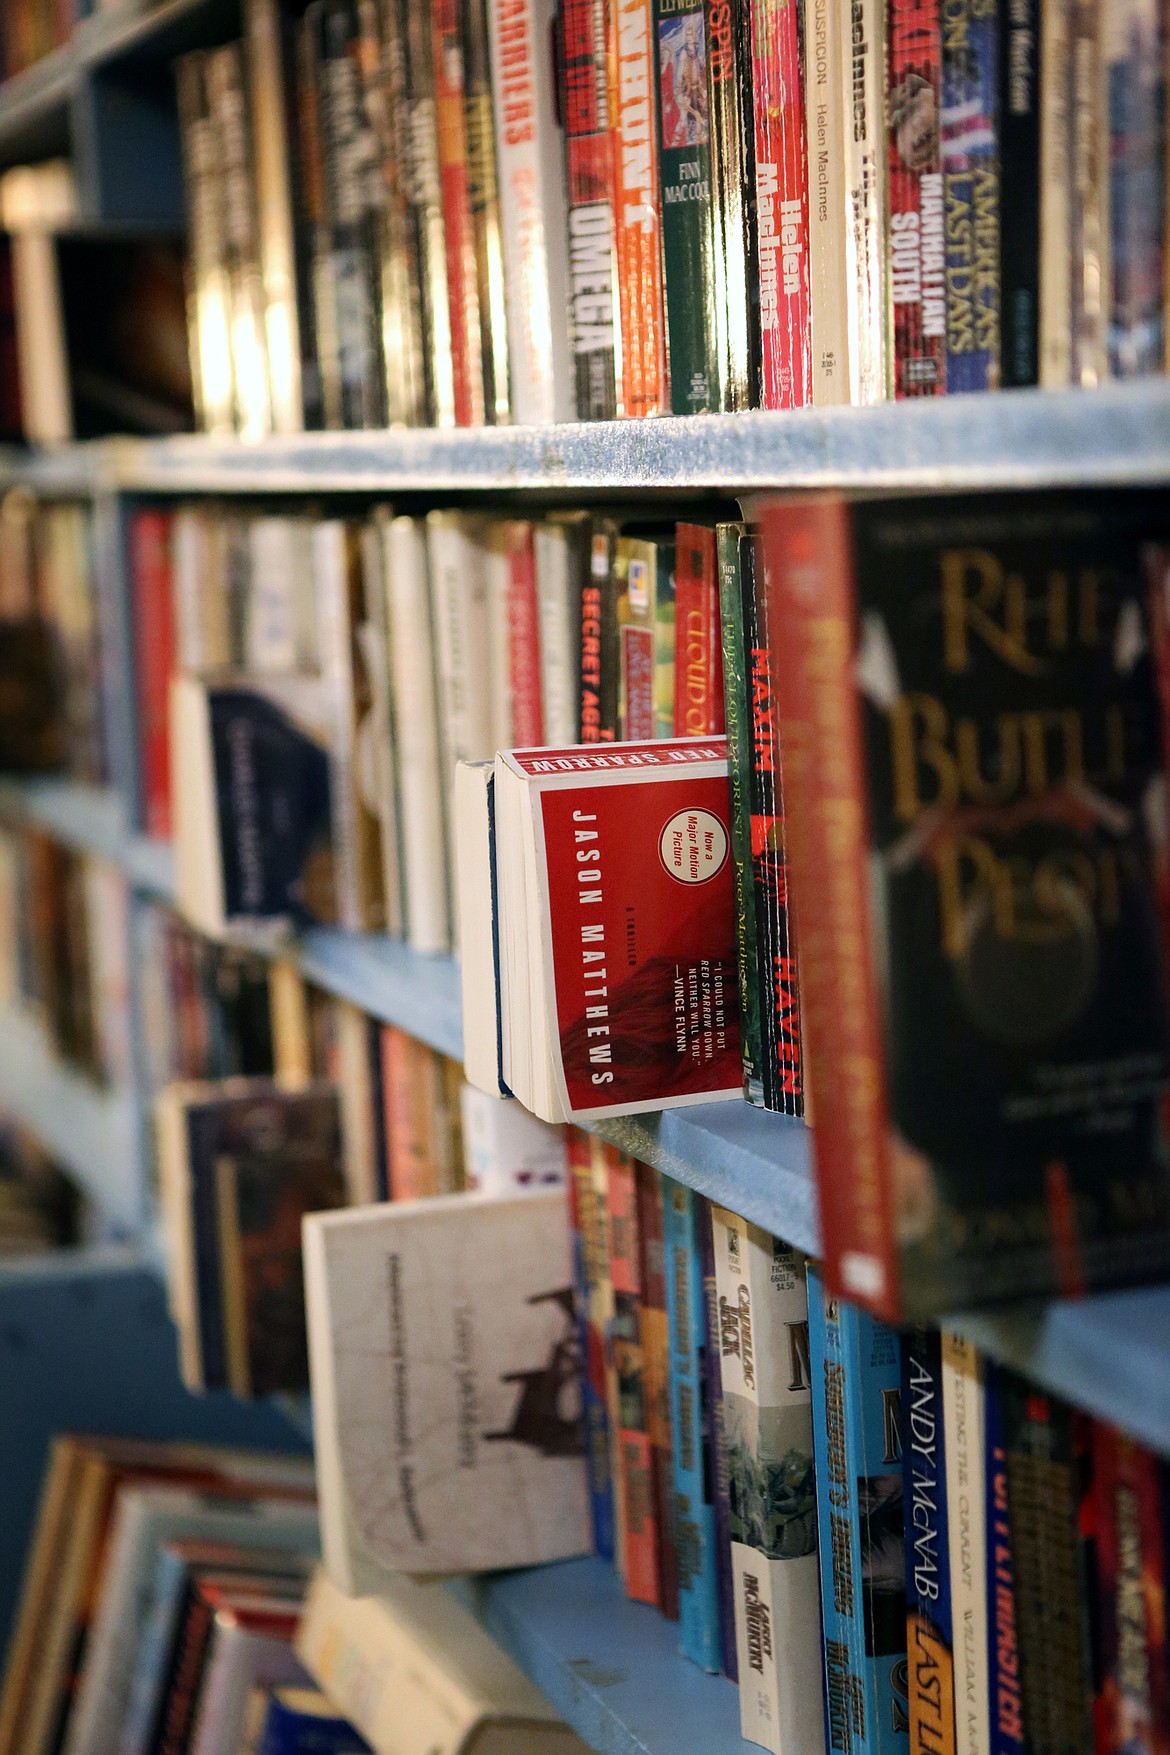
x: 698, y: 646
x: 640, y: 560
x: 664, y: 609
x: 971, y: 184
x: 411, y: 39
x: 553, y: 546
x: 524, y: 637
x: 782, y: 222
x: 832, y: 343
x: 931, y: 1676
x: 733, y: 205
x: 637, y: 210
x: 530, y: 154
x: 591, y: 1257
x: 589, y: 176
x: 717, y: 1439
x: 688, y: 239
x: 1088, y: 218
x: 1050, y: 1604
x: 1003, y: 1654
x: 736, y: 716
x: 324, y: 393
x: 154, y: 630
x: 916, y: 245
x: 1018, y: 68
x: 1055, y: 193
x: 1135, y: 48
x: 857, y: 1425
x: 229, y: 106
x: 656, y: 1367
x: 348, y: 155
x: 600, y: 670
x: 1132, y: 1693
x: 635, y: 1449
x: 694, y: 1511
x: 962, y: 1386
x: 208, y: 319
x: 781, y: 1068
x: 264, y: 35
x: 767, y: 1391
x: 811, y: 613
x: 458, y: 233
x: 599, y: 1161
x: 864, y: 70
x: 484, y: 201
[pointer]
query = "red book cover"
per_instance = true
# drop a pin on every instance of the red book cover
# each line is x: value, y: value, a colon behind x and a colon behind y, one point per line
x: 916, y: 244
x: 638, y: 210
x: 635, y: 1450
x: 638, y: 922
x: 154, y: 653
x: 656, y: 1380
x: 698, y: 645
x: 781, y: 206
x: 1132, y: 1705
x: 810, y: 583
x: 524, y: 635
x: 462, y: 282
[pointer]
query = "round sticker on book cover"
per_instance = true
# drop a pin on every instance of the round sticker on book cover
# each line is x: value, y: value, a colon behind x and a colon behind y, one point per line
x: 693, y: 846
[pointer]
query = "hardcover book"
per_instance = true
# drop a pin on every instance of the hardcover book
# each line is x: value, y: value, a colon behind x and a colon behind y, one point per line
x: 768, y: 1432
x: 985, y: 669
x: 858, y: 1436
x: 446, y: 1386
x: 616, y: 931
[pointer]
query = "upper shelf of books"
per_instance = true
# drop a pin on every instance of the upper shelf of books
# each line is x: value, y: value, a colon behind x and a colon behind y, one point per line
x: 1026, y: 438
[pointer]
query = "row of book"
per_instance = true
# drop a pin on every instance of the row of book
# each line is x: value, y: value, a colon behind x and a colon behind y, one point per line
x: 50, y: 641
x: 331, y: 672
x: 467, y: 212
x: 170, y: 1603
x: 959, y: 703
x: 64, y: 952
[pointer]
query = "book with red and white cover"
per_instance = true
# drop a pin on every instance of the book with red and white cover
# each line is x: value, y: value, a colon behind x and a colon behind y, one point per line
x: 533, y: 215
x: 785, y: 365
x: 615, y: 930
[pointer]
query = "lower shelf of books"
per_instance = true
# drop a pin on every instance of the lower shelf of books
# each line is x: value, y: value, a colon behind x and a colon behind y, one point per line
x: 611, y: 1667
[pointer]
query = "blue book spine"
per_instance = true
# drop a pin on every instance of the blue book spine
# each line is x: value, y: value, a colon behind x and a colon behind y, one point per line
x: 716, y: 1442
x: 971, y: 184
x: 154, y: 1650
x: 1003, y: 1652
x: 929, y: 1632
x: 694, y: 1510
x: 289, y: 1731
x: 857, y: 1441
x: 590, y: 1254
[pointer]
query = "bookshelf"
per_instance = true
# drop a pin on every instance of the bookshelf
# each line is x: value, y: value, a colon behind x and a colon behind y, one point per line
x: 610, y: 1666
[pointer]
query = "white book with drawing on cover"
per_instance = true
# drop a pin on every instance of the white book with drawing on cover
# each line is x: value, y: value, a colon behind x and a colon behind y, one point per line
x: 445, y: 1365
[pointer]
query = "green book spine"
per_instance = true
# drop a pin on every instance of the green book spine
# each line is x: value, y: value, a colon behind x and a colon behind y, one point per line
x: 688, y: 244
x: 737, y: 718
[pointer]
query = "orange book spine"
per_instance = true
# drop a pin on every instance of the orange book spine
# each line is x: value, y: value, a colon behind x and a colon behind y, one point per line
x: 635, y: 1451
x: 812, y: 633
x: 462, y: 284
x: 637, y: 211
x: 411, y: 1097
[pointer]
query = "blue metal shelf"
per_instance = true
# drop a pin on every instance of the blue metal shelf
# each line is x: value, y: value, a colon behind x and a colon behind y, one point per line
x: 94, y: 1133
x: 611, y: 1667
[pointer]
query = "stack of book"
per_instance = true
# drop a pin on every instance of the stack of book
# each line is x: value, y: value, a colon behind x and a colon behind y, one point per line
x: 405, y: 213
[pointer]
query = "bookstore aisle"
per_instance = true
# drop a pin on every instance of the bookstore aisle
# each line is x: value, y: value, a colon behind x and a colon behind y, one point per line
x: 584, y: 877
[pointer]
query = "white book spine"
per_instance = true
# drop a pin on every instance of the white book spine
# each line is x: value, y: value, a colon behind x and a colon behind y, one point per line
x: 533, y: 209
x: 1055, y: 193
x: 108, y: 920
x: 825, y: 109
x: 42, y: 361
x: 498, y: 578
x: 963, y: 1428
x: 188, y: 574
x: 416, y: 736
x: 462, y: 640
x: 356, y: 1098
x: 864, y: 66
x: 331, y: 571
x: 273, y: 610
x: 767, y: 1397
x: 558, y: 655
